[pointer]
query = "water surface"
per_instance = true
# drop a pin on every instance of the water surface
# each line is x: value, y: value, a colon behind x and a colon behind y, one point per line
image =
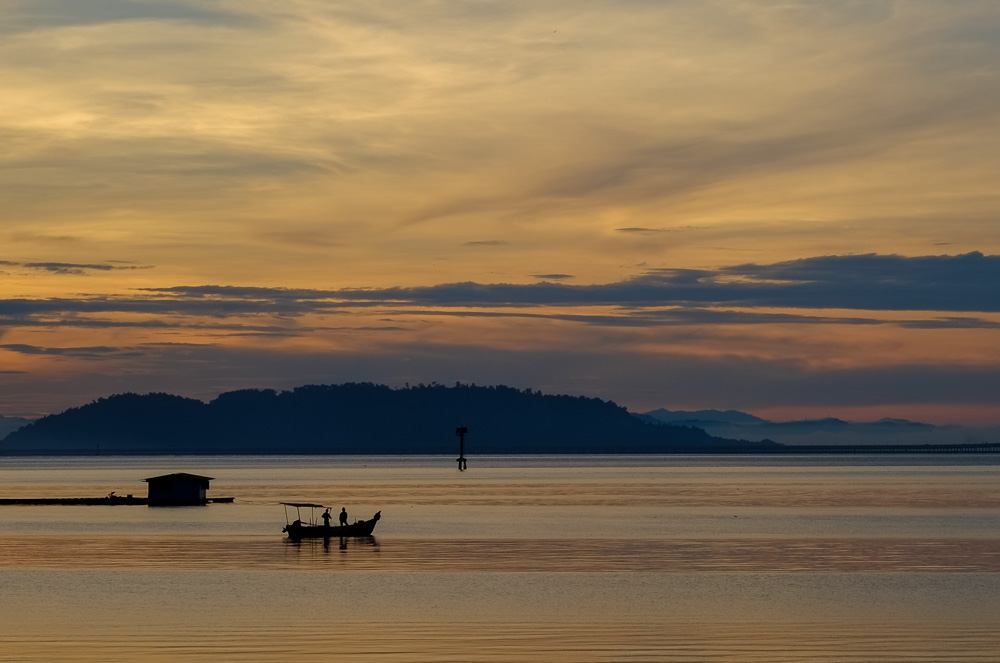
x: 517, y: 559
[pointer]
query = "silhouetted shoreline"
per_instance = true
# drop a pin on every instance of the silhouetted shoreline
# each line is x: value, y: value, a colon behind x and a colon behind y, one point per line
x: 371, y: 419
x: 357, y: 418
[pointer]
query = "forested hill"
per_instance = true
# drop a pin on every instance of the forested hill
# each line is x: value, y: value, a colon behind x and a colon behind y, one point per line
x: 356, y: 419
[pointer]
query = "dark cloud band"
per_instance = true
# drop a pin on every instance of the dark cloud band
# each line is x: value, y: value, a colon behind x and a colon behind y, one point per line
x: 964, y: 283
x: 664, y: 297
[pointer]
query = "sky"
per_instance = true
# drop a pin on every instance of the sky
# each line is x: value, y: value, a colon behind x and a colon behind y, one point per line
x: 786, y: 208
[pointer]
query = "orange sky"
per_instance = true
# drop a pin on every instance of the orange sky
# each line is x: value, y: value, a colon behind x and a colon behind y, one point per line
x: 778, y: 207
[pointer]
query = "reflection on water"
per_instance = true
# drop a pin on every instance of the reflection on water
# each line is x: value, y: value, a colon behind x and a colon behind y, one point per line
x: 479, y: 642
x: 628, y: 493
x: 507, y: 555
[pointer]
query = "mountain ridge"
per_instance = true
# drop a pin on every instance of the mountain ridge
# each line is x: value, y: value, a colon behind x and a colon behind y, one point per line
x: 357, y: 418
x: 825, y: 431
x: 10, y: 424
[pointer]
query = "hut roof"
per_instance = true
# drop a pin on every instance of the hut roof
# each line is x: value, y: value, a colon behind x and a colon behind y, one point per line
x: 179, y: 475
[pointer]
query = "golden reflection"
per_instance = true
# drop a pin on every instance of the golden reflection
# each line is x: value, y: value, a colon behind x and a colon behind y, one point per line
x: 737, y: 641
x: 505, y: 555
x: 750, y: 493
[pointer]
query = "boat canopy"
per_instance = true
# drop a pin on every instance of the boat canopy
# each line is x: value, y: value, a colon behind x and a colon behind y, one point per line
x: 304, y: 504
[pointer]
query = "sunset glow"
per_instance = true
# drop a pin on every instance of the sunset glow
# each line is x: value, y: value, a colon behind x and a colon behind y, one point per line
x: 786, y: 208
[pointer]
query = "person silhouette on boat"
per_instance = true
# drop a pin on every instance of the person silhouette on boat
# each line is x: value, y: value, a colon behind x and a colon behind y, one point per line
x: 343, y: 516
x: 326, y: 518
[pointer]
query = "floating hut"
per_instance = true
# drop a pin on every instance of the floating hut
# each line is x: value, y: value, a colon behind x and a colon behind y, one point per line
x: 178, y: 488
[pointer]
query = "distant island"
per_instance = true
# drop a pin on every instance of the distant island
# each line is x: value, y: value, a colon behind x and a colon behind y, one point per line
x: 828, y: 431
x: 366, y: 418
x: 360, y: 418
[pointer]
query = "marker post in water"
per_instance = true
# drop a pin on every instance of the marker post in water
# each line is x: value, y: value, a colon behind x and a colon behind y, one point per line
x: 462, y: 463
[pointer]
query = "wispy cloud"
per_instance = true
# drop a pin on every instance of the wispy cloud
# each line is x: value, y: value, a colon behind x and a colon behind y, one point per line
x: 95, y: 352
x: 552, y: 277
x: 22, y: 16
x: 645, y: 231
x: 76, y: 269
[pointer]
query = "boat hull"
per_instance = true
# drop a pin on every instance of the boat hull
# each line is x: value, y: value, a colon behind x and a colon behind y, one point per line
x: 299, y: 531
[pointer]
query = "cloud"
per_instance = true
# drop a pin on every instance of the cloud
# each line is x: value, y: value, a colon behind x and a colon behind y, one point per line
x: 700, y: 357
x: 648, y: 231
x: 186, y: 324
x: 960, y: 270
x: 76, y: 268
x: 28, y: 15
x: 950, y: 322
x: 638, y: 380
x: 963, y: 283
x: 95, y: 352
x: 309, y: 112
x: 874, y: 282
x: 865, y: 282
x: 14, y: 308
x: 687, y: 317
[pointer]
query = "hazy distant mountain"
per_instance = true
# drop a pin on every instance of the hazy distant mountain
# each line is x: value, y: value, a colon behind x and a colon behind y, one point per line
x: 357, y: 418
x: 10, y: 424
x: 740, y: 425
x: 704, y: 416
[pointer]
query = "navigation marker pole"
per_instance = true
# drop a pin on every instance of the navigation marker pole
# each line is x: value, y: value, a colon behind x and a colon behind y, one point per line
x: 462, y: 463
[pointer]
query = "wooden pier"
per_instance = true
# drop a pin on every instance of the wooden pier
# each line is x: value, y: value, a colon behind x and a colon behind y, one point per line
x: 110, y: 500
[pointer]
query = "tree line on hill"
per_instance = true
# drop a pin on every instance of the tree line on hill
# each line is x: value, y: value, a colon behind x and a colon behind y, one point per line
x: 358, y: 418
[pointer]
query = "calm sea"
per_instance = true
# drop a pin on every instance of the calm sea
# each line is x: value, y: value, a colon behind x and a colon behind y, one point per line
x: 666, y: 558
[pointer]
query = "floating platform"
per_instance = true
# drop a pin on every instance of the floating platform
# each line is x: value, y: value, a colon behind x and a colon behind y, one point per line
x: 113, y: 500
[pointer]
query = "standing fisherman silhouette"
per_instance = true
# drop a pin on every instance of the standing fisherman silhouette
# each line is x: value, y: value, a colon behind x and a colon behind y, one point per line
x: 326, y: 518
x: 343, y: 516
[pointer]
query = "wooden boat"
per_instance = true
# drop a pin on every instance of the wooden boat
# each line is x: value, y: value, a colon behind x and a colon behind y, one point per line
x: 298, y: 530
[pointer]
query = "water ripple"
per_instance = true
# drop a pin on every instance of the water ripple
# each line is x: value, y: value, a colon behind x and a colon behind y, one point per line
x: 508, y: 555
